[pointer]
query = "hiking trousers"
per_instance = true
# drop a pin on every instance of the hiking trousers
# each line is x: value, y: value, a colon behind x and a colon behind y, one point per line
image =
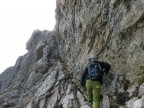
x: 93, y: 92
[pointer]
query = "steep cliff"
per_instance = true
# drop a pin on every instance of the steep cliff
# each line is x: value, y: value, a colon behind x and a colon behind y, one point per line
x: 48, y: 75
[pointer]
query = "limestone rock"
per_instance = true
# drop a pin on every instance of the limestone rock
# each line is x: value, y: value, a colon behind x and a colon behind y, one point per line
x: 133, y: 91
x: 105, y: 102
x: 47, y: 84
x: 130, y: 103
x: 82, y: 101
x: 29, y: 105
x: 139, y: 103
x: 48, y: 75
x: 67, y: 102
x: 141, y: 90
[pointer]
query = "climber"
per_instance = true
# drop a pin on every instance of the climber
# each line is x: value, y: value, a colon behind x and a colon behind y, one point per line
x: 93, y: 76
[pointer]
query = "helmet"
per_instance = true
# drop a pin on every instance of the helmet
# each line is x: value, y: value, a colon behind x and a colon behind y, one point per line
x: 93, y: 58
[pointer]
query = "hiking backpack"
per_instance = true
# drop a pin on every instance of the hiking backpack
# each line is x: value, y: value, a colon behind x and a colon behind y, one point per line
x: 95, y: 71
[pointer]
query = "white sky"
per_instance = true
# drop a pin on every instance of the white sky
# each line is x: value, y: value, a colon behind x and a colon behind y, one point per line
x: 18, y: 19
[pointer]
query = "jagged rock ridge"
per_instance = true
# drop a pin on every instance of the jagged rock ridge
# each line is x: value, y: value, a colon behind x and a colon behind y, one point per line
x: 48, y: 75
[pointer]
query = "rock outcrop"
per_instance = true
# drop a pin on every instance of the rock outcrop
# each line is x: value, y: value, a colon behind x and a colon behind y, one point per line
x: 48, y: 75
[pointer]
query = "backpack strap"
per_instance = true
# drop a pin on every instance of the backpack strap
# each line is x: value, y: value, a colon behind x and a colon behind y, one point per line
x: 89, y: 70
x: 100, y: 67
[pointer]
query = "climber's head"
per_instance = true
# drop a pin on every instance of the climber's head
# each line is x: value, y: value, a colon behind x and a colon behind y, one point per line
x: 93, y: 58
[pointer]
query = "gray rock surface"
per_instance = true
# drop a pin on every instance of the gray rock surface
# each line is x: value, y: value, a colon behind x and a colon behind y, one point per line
x: 141, y: 90
x: 105, y: 102
x: 139, y: 103
x: 130, y: 103
x: 48, y: 75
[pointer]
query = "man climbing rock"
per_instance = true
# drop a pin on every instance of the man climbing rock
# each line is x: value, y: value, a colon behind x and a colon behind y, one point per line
x: 93, y: 75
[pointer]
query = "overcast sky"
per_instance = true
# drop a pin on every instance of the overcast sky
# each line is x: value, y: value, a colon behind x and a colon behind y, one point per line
x: 18, y: 19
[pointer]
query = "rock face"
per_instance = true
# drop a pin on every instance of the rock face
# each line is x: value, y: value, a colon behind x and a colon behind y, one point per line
x: 48, y: 75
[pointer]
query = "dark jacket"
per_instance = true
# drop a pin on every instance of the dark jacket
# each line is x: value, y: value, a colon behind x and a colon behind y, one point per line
x: 105, y: 66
